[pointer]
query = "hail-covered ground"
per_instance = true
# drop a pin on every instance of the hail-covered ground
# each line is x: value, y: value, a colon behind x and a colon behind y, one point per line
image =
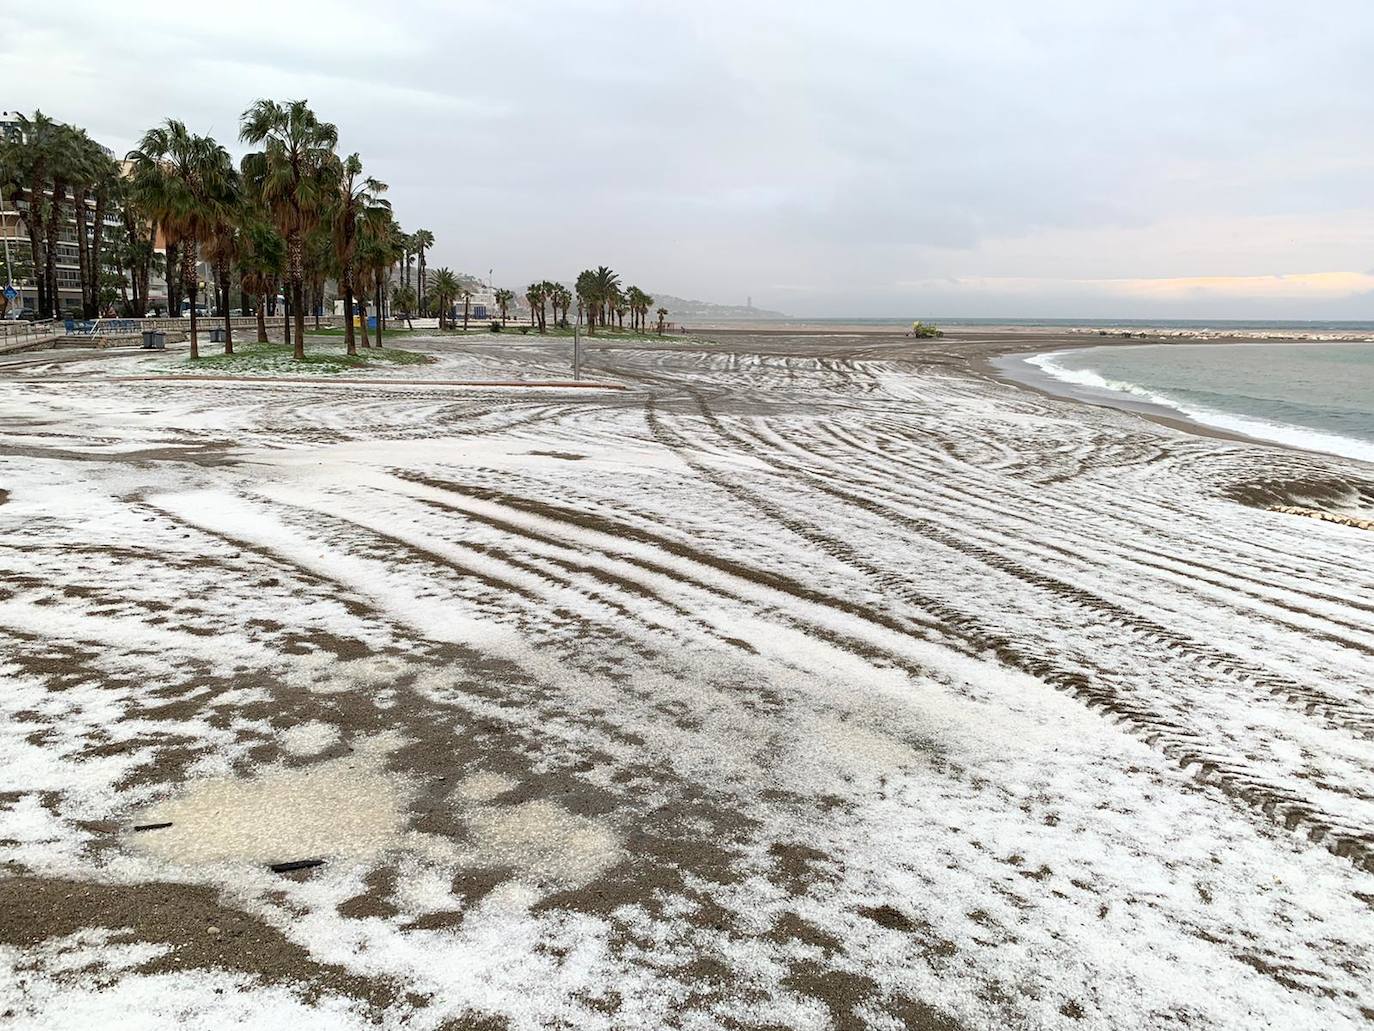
x: 807, y: 682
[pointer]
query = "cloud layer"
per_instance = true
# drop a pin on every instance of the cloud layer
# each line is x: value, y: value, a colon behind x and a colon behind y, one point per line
x: 825, y: 159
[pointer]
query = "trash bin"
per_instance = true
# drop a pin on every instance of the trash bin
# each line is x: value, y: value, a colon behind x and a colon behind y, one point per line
x: 147, y: 340
x: 217, y: 335
x: 154, y: 340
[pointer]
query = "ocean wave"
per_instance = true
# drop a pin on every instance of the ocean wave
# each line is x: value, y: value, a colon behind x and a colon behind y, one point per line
x: 1290, y: 434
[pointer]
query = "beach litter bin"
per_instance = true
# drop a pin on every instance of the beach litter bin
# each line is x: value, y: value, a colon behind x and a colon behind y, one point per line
x: 154, y: 340
x: 217, y: 335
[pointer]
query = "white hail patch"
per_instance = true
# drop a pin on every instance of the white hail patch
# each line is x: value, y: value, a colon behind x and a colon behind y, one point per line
x: 544, y: 843
x: 482, y: 787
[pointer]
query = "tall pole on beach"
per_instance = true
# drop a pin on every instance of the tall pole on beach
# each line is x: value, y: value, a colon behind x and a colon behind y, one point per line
x: 577, y: 347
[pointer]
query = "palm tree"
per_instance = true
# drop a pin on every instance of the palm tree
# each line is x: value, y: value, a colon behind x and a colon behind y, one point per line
x: 587, y: 298
x: 183, y: 181
x: 443, y: 286
x: 467, y: 305
x: 422, y: 239
x: 662, y: 314
x: 358, y: 204
x: 645, y: 303
x: 407, y: 256
x: 639, y: 303
x: 320, y: 265
x: 292, y: 174
x: 607, y: 288
x: 136, y: 247
x: 403, y: 300
x: 535, y: 295
x: 561, y: 297
x: 63, y: 162
x: 262, y: 258
x: 24, y: 162
x: 379, y: 251
x: 504, y: 299
x: 94, y: 177
x: 224, y: 244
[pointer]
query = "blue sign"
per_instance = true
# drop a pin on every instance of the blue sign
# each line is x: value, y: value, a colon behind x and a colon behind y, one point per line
x: 11, y: 293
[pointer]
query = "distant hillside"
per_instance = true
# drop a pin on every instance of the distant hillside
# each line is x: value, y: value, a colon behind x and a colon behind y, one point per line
x: 682, y: 310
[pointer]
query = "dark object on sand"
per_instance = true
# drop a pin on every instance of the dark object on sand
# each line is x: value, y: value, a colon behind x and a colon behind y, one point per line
x: 153, y: 826
x: 925, y: 330
x: 295, y: 864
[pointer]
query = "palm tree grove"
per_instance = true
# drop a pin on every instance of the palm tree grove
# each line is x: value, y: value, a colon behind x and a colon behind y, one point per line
x: 290, y: 231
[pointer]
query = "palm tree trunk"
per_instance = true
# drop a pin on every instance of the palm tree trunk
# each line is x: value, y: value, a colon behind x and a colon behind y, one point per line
x: 262, y: 318
x: 83, y: 254
x: 33, y: 222
x: 97, y: 242
x: 222, y: 274
x: 295, y: 292
x: 59, y: 194
x: 298, y: 303
x: 378, y: 308
x: 350, y: 341
x: 362, y: 317
x: 286, y: 316
x: 188, y: 282
x: 173, y: 278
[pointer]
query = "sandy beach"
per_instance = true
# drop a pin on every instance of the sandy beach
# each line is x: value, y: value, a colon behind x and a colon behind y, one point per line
x: 818, y: 678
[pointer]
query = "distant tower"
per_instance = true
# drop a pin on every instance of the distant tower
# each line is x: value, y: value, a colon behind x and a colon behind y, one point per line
x: 748, y: 302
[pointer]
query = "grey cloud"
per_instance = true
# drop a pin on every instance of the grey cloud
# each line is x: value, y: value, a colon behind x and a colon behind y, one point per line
x: 713, y: 149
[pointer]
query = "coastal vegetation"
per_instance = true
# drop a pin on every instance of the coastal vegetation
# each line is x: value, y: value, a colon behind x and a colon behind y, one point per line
x: 59, y: 170
x: 291, y: 226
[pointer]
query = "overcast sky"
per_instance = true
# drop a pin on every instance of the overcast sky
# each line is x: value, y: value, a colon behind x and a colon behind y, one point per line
x: 1096, y: 158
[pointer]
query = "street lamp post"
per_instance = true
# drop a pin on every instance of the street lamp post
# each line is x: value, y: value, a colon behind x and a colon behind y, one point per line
x: 5, y: 229
x: 577, y: 347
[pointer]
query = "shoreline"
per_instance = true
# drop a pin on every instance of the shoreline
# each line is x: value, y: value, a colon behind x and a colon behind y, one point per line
x: 997, y: 353
x: 1008, y: 368
x: 1015, y: 368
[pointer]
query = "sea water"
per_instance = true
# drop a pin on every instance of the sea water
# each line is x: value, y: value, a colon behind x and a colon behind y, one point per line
x: 1318, y: 396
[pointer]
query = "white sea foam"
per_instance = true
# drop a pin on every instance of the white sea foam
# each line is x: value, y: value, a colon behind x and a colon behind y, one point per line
x: 1288, y: 434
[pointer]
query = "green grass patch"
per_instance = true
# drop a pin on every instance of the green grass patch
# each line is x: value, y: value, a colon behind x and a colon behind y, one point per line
x: 326, y: 358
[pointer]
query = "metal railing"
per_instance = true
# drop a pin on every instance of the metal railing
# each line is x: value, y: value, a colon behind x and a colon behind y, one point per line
x: 16, y: 334
x: 119, y: 327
